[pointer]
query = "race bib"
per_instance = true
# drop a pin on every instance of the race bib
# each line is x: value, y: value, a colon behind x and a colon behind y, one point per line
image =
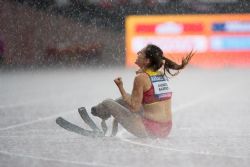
x: 161, y: 86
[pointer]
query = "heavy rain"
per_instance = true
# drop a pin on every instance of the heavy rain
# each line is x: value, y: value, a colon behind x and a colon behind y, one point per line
x: 59, y: 55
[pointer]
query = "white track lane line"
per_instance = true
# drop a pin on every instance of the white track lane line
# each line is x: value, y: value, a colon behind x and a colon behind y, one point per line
x: 32, y: 102
x: 56, y: 160
x: 205, y: 97
x: 43, y: 158
x: 37, y: 120
x: 182, y: 151
x: 20, y: 104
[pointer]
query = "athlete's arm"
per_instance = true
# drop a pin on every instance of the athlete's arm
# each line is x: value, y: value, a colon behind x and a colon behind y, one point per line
x: 119, y: 83
x: 134, y: 101
x: 137, y: 93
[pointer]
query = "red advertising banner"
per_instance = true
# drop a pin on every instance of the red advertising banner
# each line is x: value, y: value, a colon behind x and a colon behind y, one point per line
x: 218, y: 40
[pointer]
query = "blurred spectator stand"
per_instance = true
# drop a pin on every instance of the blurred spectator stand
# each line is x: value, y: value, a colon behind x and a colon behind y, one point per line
x: 74, y: 54
x: 1, y: 50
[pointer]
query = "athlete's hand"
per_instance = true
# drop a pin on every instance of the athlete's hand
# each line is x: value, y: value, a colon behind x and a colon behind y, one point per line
x: 118, y: 81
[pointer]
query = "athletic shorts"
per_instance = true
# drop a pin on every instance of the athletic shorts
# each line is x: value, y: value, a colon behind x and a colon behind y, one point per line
x: 157, y: 129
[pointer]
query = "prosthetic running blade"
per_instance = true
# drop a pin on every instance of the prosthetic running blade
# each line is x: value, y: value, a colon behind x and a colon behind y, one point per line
x: 85, y: 116
x: 76, y: 129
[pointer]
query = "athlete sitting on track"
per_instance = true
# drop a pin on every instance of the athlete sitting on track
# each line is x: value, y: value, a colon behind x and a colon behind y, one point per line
x: 147, y: 111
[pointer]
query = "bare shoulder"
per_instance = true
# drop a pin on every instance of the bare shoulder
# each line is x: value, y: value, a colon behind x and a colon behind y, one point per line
x: 139, y: 81
x: 141, y: 77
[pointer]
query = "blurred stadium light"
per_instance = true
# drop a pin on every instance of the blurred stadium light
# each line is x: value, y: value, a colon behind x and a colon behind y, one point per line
x: 218, y: 40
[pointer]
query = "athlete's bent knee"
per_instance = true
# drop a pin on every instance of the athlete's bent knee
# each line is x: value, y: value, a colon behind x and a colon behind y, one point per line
x: 107, y: 102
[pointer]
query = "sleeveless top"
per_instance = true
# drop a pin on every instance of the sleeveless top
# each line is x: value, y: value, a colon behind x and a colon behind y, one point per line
x: 159, y: 89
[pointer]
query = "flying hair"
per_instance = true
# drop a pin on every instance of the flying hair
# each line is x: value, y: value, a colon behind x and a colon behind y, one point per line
x: 157, y: 60
x: 169, y: 64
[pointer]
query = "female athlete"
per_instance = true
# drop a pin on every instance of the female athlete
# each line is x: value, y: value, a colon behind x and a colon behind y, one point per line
x: 146, y: 112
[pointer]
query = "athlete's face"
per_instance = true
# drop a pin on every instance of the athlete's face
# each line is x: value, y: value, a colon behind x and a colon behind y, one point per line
x: 141, y: 59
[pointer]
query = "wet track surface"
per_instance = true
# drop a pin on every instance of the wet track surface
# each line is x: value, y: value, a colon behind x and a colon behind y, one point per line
x: 211, y: 120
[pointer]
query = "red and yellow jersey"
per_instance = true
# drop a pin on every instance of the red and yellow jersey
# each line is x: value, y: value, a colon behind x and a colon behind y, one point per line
x: 159, y: 90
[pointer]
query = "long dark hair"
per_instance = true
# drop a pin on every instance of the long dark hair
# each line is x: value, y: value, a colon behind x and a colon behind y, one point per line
x: 157, y: 59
